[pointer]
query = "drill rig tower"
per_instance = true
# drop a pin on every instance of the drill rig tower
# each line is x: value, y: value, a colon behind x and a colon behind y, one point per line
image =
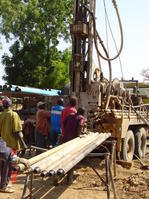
x: 109, y: 107
x: 81, y: 67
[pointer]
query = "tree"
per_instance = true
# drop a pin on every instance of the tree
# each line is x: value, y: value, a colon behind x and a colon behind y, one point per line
x: 145, y: 74
x: 37, y: 26
x: 27, y: 65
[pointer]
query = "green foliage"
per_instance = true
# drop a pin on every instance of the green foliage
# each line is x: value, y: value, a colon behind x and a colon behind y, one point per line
x: 35, y: 20
x: 59, y: 76
x: 37, y: 26
x: 25, y: 67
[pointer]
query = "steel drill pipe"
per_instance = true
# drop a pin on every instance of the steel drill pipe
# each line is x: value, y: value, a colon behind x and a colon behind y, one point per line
x: 53, y: 161
x: 41, y: 165
x: 56, y: 165
x: 77, y: 158
x: 75, y: 153
x: 37, y: 158
x: 51, y: 173
x: 44, y: 173
x: 60, y: 171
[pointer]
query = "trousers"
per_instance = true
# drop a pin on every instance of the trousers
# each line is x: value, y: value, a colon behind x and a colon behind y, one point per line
x: 54, y: 134
x: 5, y: 173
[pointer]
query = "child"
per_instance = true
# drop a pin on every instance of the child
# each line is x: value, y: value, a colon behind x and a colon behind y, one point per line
x: 73, y: 125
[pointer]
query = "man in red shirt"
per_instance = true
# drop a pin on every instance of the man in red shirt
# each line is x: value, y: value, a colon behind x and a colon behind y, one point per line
x: 68, y: 110
x: 73, y: 125
x: 42, y: 125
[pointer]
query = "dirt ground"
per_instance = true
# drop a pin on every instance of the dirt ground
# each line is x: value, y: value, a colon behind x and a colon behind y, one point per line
x: 129, y: 183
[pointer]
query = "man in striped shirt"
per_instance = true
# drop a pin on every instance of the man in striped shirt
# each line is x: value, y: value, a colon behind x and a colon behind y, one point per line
x: 56, y: 122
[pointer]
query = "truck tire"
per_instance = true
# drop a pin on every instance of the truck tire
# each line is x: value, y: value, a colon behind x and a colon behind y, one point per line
x: 128, y: 146
x: 140, y: 142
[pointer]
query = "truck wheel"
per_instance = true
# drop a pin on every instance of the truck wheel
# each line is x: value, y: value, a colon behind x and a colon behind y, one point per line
x: 128, y: 146
x: 140, y: 142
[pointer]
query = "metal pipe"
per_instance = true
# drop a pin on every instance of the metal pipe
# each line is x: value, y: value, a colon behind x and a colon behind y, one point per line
x: 68, y: 156
x: 96, y: 154
x: 78, y: 157
x: 53, y: 159
x: 51, y: 173
x: 37, y: 158
x: 36, y: 170
x: 56, y: 164
x: 107, y: 175
x: 60, y: 172
x: 102, y: 180
x: 44, y: 174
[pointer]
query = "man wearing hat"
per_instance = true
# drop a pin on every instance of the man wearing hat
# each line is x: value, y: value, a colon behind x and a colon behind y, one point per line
x: 11, y: 127
x: 10, y: 132
x: 42, y: 125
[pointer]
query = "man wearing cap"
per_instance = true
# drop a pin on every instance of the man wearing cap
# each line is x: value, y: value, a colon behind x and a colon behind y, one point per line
x: 10, y: 132
x: 56, y: 122
x: 42, y: 125
x: 11, y: 127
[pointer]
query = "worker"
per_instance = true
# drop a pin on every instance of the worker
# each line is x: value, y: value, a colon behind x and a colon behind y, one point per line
x: 29, y: 131
x: 56, y: 130
x: 1, y: 105
x: 73, y: 125
x: 11, y: 127
x: 6, y: 159
x: 135, y: 98
x: 42, y: 126
x: 71, y: 109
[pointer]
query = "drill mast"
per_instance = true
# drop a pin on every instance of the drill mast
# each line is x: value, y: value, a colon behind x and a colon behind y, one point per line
x: 82, y: 46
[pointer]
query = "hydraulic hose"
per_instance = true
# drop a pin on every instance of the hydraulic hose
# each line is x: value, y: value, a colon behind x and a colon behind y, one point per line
x: 95, y: 30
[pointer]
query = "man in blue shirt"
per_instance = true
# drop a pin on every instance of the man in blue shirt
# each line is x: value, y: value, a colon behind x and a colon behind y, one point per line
x: 56, y: 122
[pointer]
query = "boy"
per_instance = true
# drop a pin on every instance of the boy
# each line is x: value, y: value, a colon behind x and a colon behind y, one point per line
x: 73, y: 125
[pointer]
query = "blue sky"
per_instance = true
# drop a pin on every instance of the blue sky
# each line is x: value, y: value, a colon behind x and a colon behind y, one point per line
x: 135, y: 21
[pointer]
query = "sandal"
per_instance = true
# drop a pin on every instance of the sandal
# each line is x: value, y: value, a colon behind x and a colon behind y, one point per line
x: 7, y: 190
x: 9, y: 185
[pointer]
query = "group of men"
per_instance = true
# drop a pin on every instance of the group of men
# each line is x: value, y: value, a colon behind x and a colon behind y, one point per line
x: 66, y: 122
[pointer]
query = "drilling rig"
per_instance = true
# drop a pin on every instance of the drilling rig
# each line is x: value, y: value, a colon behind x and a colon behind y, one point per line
x: 109, y: 107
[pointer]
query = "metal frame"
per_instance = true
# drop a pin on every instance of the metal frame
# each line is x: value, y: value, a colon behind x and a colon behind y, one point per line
x: 110, y: 164
x: 28, y: 182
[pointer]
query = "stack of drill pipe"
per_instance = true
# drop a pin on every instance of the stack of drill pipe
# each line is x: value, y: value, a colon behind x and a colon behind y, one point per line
x: 46, y: 154
x: 67, y: 154
x: 55, y: 158
x: 37, y: 158
x: 76, y: 158
x: 71, y: 158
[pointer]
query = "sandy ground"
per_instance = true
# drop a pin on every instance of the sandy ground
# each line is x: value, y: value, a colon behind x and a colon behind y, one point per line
x: 130, y: 183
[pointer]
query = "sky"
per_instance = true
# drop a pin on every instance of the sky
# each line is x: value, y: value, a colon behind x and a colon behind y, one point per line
x: 135, y: 22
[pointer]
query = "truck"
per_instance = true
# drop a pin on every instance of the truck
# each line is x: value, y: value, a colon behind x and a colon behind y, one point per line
x: 110, y: 107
